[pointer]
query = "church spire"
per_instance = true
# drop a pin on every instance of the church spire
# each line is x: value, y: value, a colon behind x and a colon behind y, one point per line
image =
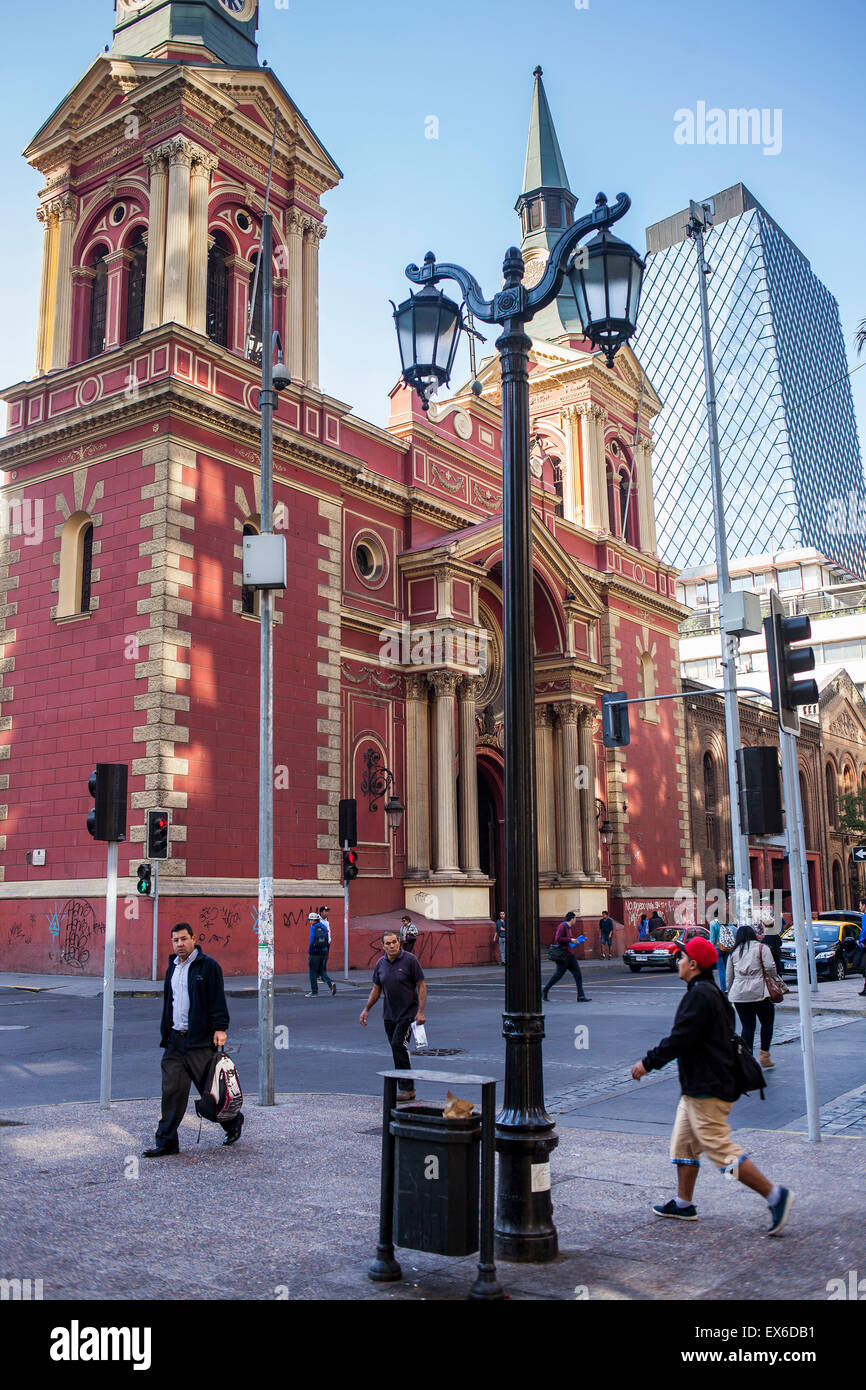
x: 546, y: 207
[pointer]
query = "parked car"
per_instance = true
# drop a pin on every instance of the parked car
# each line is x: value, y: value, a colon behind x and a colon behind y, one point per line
x: 662, y: 948
x: 835, y: 936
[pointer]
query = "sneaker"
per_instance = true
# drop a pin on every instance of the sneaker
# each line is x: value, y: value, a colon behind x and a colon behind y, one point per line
x: 781, y: 1211
x: 333, y: 989
x: 311, y: 994
x: 678, y: 1213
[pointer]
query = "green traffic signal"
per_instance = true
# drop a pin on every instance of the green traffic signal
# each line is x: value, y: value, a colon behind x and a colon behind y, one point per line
x: 143, y: 883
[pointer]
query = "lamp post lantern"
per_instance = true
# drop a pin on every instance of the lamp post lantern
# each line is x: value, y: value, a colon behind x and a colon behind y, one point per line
x: 606, y: 277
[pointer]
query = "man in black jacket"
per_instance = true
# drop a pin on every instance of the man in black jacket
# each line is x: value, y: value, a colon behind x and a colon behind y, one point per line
x: 194, y: 1022
x: 701, y: 1041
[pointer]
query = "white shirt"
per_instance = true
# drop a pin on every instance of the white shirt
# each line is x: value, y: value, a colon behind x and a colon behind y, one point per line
x: 180, y: 990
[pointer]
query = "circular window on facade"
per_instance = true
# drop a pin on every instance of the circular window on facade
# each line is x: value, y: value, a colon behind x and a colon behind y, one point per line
x: 118, y: 212
x: 369, y: 560
x: 614, y: 449
x: 244, y: 221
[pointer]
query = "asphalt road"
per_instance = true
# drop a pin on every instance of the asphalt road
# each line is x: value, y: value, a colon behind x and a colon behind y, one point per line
x: 51, y: 1049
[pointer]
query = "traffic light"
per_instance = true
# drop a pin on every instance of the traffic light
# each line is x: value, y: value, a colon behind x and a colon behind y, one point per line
x: 350, y: 865
x: 348, y: 827
x: 143, y: 883
x: 786, y: 662
x: 614, y: 720
x: 157, y: 835
x: 106, y: 819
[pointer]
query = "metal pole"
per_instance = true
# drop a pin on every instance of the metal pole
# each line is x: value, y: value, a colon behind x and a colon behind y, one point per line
x: 108, y: 977
x: 791, y: 785
x: 730, y: 644
x: 804, y: 875
x: 524, y: 1131
x: 155, y: 916
x: 345, y: 922
x: 266, y: 695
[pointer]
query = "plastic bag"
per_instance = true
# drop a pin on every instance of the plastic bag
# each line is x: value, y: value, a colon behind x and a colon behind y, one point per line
x: 419, y: 1033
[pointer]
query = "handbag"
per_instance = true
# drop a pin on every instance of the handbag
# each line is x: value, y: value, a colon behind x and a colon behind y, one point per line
x: 775, y: 989
x: 556, y: 952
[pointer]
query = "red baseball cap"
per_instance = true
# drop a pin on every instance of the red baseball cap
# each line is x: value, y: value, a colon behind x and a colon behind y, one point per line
x: 701, y: 951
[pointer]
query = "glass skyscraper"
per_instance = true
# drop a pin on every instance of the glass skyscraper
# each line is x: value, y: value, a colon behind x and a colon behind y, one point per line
x: 791, y: 467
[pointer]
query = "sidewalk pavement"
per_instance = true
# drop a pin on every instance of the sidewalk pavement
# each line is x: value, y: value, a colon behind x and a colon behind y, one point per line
x: 298, y: 1218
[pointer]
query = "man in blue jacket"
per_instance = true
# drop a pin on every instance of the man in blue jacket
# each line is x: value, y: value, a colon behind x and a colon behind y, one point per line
x: 701, y: 1041
x: 194, y: 1022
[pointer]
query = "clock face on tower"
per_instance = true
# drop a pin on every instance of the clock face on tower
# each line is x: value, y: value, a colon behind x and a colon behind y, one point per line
x: 239, y: 9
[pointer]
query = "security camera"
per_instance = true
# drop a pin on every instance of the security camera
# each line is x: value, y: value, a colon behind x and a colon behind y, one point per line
x: 282, y: 377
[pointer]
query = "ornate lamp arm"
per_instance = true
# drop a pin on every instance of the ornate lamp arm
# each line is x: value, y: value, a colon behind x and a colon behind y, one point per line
x: 514, y: 301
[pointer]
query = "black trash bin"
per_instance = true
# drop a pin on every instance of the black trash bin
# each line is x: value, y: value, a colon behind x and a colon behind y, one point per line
x: 436, y: 1190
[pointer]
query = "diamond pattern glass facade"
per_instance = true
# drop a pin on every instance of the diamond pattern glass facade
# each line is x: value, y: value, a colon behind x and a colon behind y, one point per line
x: 791, y: 462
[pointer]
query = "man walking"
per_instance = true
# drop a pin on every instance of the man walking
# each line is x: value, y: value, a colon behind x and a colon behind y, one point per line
x: 861, y: 943
x: 499, y: 934
x: 563, y: 945
x: 317, y: 954
x: 194, y: 1023
x: 408, y: 933
x: 701, y: 1041
x: 605, y: 928
x: 399, y: 977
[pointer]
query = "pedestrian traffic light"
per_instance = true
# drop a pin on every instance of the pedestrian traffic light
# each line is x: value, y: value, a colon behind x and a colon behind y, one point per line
x: 157, y: 835
x: 106, y: 819
x: 614, y: 720
x: 350, y: 865
x: 786, y: 662
x: 143, y: 883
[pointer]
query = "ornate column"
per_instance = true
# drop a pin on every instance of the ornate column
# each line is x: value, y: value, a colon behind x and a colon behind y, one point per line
x: 115, y: 298
x: 646, y: 509
x: 82, y: 288
x: 592, y: 418
x: 444, y: 784
x: 294, y: 353
x: 174, y: 309
x: 571, y: 856
x: 470, y: 861
x: 199, y: 194
x: 43, y: 327
x: 281, y: 286
x: 544, y: 781
x: 588, y: 821
x: 572, y: 500
x: 239, y: 272
x: 313, y: 234
x: 155, y: 160
x: 418, y: 778
x: 66, y: 208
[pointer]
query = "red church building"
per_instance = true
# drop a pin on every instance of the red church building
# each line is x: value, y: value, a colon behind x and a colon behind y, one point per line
x: 132, y: 475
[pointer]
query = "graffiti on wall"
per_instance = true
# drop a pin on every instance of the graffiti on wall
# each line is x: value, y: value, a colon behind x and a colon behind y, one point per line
x: 77, y: 925
x: 431, y: 948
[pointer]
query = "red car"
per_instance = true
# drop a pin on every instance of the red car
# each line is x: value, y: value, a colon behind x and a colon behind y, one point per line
x: 661, y: 948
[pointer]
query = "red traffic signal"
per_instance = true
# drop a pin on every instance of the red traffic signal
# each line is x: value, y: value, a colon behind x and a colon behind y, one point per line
x: 350, y: 865
x: 157, y: 835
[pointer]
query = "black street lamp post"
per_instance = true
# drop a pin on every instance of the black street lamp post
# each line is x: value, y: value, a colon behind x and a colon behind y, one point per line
x: 606, y: 280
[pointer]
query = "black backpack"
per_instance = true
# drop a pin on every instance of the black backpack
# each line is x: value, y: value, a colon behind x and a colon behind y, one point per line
x: 320, y: 938
x: 747, y: 1073
x: 221, y: 1095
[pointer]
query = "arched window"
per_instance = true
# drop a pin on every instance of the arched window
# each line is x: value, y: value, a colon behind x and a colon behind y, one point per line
x: 255, y: 337
x: 832, y: 807
x: 76, y: 566
x: 136, y: 275
x: 647, y: 667
x: 558, y: 482
x: 838, y: 896
x: 98, y: 302
x: 804, y: 803
x: 217, y: 314
x: 710, y: 803
x: 250, y: 597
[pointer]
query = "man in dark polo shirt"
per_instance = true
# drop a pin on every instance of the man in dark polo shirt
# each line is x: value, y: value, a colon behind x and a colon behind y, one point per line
x: 399, y: 977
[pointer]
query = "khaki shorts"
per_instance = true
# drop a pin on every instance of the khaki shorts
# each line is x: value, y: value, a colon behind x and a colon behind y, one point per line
x: 701, y: 1127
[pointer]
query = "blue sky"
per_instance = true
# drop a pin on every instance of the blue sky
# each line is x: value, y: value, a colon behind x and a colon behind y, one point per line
x: 368, y: 77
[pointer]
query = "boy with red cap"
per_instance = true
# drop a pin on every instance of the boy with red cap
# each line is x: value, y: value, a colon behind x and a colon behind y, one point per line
x: 701, y: 1042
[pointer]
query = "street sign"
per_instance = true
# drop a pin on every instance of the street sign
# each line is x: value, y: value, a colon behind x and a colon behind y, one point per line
x: 858, y: 854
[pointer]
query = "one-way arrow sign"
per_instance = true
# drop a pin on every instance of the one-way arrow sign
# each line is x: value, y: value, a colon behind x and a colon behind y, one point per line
x: 858, y: 854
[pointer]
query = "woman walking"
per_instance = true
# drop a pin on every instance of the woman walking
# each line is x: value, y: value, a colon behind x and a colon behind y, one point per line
x: 750, y: 972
